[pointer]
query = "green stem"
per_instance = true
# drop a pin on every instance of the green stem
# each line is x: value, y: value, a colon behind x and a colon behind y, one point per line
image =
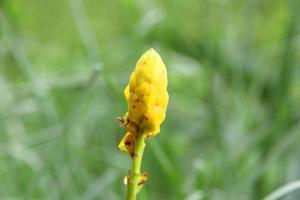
x: 135, y: 171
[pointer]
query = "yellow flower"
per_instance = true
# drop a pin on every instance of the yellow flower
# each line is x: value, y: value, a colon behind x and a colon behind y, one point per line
x: 147, y: 97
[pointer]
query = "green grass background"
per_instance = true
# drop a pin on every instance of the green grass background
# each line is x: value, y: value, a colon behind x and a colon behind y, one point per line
x: 232, y: 130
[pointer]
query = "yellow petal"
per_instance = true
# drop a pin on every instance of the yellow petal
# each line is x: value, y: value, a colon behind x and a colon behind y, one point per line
x: 142, y: 179
x: 126, y: 92
x: 127, y: 143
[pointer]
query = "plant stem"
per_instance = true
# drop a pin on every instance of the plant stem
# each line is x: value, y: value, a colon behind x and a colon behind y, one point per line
x: 135, y: 171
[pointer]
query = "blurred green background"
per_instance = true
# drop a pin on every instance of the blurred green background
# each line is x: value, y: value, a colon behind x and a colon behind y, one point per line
x: 232, y: 130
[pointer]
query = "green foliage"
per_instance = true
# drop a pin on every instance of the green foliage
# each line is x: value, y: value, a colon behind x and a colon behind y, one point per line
x: 232, y: 130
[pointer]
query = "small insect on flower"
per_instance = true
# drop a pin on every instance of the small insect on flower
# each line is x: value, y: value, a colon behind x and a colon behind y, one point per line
x: 147, y: 99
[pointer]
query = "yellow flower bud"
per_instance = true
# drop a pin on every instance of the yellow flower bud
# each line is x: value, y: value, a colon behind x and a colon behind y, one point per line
x: 147, y: 98
x: 146, y: 94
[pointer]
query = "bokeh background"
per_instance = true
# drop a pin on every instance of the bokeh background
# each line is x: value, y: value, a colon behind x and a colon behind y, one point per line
x: 232, y: 130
